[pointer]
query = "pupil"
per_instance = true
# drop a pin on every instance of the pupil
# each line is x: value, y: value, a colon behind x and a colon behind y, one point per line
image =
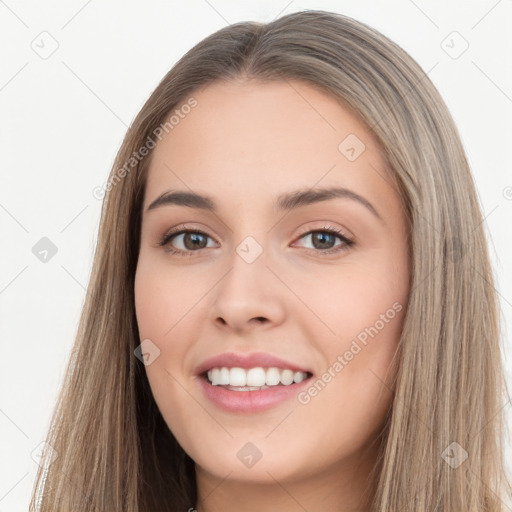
x: 194, y: 237
x: 322, y: 236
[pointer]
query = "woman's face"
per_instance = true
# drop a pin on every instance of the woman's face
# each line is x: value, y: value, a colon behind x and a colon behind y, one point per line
x: 279, y: 269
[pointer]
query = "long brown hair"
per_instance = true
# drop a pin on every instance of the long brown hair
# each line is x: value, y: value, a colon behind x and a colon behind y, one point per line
x: 113, y: 449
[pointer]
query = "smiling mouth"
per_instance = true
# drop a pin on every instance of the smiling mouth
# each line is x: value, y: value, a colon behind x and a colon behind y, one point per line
x: 253, y: 379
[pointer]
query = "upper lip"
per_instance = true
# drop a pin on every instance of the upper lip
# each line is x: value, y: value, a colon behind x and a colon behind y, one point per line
x: 250, y: 360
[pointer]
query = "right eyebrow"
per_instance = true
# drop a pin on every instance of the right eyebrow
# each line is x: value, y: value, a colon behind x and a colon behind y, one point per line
x: 183, y: 198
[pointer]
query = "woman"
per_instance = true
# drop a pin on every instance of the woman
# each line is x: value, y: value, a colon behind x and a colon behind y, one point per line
x: 228, y: 355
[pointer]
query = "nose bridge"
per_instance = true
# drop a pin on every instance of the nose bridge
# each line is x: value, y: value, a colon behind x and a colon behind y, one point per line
x: 246, y: 291
x: 247, y: 270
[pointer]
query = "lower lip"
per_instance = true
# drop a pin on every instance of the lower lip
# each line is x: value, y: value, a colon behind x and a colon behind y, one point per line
x: 250, y: 401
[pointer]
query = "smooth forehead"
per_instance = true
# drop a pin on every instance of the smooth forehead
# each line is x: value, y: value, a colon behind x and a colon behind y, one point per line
x: 295, y: 108
x: 248, y: 136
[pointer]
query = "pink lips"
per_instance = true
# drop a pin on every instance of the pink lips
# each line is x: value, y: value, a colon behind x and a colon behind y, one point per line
x: 248, y: 401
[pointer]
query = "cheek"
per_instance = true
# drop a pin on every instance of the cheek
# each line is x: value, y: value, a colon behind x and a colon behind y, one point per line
x: 368, y: 326
x: 354, y: 300
x: 353, y: 393
x: 166, y: 304
x: 366, y: 312
x: 164, y: 296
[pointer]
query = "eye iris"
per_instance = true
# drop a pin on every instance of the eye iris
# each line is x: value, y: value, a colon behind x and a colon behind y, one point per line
x: 194, y: 238
x: 324, y: 238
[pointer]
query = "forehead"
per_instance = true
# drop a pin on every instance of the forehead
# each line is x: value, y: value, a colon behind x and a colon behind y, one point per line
x: 248, y: 139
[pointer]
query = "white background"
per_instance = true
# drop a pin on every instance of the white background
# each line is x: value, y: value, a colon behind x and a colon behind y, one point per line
x: 63, y: 119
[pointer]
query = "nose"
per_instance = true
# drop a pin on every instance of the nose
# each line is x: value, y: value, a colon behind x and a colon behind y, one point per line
x: 249, y: 295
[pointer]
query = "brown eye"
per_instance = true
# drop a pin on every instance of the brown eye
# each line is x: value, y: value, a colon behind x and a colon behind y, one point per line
x: 188, y: 241
x: 322, y: 239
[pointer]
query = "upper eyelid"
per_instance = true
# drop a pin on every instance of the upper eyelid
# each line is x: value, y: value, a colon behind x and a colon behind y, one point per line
x: 327, y: 225
x: 338, y: 230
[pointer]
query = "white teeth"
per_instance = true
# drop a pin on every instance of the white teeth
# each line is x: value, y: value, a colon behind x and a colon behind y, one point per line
x: 286, y: 377
x: 237, y: 377
x: 254, y: 377
x: 219, y: 375
x: 273, y: 377
x: 299, y: 376
x: 224, y: 376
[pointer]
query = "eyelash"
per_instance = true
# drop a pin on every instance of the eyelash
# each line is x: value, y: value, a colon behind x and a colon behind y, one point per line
x: 347, y: 243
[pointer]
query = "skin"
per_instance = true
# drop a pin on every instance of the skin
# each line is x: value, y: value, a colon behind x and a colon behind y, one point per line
x: 244, y: 144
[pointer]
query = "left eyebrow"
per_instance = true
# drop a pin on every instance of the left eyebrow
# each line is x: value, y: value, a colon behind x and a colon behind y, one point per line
x: 284, y: 202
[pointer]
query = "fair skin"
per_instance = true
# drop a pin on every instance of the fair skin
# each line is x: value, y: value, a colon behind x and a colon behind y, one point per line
x: 244, y: 144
